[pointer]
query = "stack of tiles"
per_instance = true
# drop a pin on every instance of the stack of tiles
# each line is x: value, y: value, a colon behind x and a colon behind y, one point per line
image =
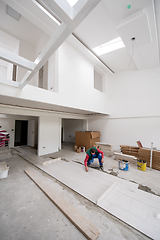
x: 145, y: 155
x: 4, y: 138
x: 106, y: 148
x: 129, y: 150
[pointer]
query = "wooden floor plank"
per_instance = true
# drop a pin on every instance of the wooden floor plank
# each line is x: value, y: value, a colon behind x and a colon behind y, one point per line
x: 85, y: 226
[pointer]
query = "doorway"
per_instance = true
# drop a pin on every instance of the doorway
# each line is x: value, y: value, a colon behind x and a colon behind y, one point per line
x: 21, y: 130
x: 69, y: 128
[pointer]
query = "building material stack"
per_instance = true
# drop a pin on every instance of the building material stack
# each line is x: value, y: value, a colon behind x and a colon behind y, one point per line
x: 106, y: 148
x: 4, y: 138
x: 87, y: 139
x: 129, y: 150
x: 145, y: 154
x: 4, y: 145
x: 121, y: 156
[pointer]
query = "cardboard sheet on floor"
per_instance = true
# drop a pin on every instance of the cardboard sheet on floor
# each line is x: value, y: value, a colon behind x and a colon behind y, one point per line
x: 85, y: 226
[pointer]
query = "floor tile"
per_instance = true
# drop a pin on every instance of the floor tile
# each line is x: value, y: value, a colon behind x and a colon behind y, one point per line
x: 125, y: 201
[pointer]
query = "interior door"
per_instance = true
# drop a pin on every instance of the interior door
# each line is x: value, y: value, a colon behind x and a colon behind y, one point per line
x: 31, y: 133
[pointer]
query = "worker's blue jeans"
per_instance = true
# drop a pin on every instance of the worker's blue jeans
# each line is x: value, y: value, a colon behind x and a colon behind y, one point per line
x: 99, y: 156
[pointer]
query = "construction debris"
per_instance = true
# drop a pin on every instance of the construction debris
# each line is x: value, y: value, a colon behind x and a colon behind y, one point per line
x: 49, y: 160
x: 121, y: 156
x: 106, y: 148
x: 129, y: 150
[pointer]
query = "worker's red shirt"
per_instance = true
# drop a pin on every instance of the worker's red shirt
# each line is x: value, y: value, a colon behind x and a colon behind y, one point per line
x: 87, y: 156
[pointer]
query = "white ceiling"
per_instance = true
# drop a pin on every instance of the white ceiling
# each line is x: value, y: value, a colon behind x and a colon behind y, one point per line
x: 108, y: 20
x: 99, y: 27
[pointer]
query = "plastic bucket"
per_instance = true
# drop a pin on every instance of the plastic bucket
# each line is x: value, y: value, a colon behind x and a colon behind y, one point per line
x: 123, y: 165
x: 141, y: 165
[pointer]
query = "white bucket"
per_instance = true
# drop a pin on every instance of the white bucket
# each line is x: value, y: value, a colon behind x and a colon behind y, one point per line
x: 3, y: 170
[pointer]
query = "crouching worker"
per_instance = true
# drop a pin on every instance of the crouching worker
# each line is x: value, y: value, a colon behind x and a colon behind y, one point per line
x: 91, y: 154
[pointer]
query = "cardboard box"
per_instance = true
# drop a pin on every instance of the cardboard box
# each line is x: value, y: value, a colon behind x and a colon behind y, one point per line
x: 87, y: 138
x: 79, y: 150
x: 75, y: 148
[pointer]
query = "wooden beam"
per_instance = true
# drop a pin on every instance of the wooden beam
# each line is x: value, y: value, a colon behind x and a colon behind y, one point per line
x: 16, y: 59
x: 85, y: 226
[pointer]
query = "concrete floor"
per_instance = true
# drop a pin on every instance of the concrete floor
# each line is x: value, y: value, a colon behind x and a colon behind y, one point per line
x: 27, y: 213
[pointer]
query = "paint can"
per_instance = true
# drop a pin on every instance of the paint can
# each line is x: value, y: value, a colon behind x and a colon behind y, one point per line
x: 123, y: 165
x: 141, y: 165
x: 82, y: 149
x: 3, y: 170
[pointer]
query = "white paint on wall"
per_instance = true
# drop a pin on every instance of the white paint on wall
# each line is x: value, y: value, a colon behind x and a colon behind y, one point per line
x: 74, y: 81
x: 70, y: 126
x: 74, y: 66
x: 134, y: 110
x: 98, y: 81
x: 11, y: 44
x: 3, y: 70
x: 127, y: 131
x: 82, y: 97
x: 8, y: 124
x: 48, y: 135
x: 134, y: 93
x: 26, y: 50
x: 31, y: 133
x: 53, y: 80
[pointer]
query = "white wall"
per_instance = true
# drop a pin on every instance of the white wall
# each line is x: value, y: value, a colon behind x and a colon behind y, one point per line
x: 76, y: 81
x: 70, y: 126
x: 26, y: 50
x: 134, y: 93
x: 11, y: 44
x: 49, y: 125
x: 134, y: 110
x: 31, y: 52
x: 127, y: 131
x: 7, y: 122
x: 48, y: 135
x: 75, y: 85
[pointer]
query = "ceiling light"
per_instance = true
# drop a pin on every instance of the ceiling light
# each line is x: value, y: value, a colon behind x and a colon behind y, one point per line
x: 109, y: 46
x: 72, y: 2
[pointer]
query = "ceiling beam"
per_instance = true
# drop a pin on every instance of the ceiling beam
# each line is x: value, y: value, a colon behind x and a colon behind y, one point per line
x: 9, y: 82
x: 27, y: 10
x: 53, y: 44
x: 16, y: 59
x: 58, y: 38
x: 53, y: 7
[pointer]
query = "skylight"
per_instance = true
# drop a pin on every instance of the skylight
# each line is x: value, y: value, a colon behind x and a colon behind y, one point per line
x: 72, y: 2
x: 109, y: 46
